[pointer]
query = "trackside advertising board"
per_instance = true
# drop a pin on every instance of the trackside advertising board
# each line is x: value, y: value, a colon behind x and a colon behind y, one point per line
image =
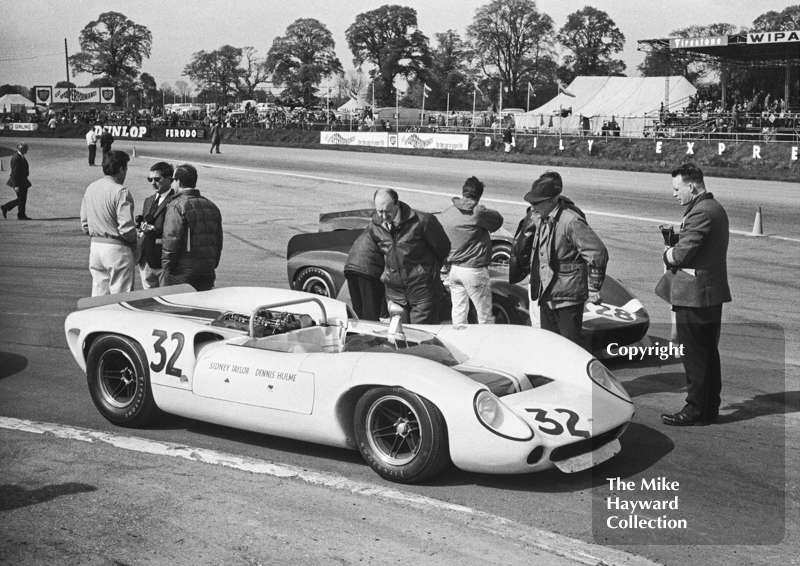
x: 410, y: 140
x: 419, y: 140
x: 104, y: 95
x: 372, y: 139
x: 125, y: 131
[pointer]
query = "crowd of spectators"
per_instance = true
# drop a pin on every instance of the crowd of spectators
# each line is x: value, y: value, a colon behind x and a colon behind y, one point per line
x: 761, y: 114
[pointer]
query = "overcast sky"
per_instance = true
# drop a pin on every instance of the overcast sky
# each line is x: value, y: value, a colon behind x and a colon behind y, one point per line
x: 32, y: 32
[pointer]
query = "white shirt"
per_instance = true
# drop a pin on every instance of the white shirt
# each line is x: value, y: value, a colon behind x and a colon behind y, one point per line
x: 91, y: 137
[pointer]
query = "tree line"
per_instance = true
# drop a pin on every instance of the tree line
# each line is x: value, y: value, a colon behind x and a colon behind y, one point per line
x: 511, y: 49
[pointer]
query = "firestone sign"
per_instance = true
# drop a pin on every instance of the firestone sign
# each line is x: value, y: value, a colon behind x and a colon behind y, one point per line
x: 689, y: 42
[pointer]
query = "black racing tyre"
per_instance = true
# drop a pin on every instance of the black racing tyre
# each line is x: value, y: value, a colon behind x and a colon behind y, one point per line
x: 401, y: 435
x: 315, y: 280
x: 119, y: 381
x: 501, y: 252
x: 503, y: 311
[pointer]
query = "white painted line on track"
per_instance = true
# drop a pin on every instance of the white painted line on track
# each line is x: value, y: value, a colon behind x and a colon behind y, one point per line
x: 436, y: 193
x: 572, y: 549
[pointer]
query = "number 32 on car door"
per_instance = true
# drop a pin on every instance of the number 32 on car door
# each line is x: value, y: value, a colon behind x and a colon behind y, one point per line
x: 554, y: 427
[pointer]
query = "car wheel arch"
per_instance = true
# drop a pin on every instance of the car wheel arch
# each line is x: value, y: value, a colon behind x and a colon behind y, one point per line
x: 346, y: 406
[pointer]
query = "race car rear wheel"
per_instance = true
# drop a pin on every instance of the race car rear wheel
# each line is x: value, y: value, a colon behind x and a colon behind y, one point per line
x: 401, y: 435
x: 503, y: 311
x: 501, y: 252
x: 315, y: 280
x: 119, y: 383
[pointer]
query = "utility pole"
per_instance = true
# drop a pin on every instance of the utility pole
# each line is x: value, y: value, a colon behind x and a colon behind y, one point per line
x: 69, y: 90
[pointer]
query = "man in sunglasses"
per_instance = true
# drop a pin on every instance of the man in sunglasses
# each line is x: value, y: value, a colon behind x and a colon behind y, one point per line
x: 151, y: 223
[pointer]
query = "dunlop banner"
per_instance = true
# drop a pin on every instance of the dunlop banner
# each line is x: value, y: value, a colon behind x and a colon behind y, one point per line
x: 125, y: 131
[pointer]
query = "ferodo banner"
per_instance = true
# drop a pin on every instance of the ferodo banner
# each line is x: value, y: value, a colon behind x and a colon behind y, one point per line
x: 125, y: 131
x: 190, y: 133
x: 419, y: 140
x: 102, y: 95
x: 372, y: 139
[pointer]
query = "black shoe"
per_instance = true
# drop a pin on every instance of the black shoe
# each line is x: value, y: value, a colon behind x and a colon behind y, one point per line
x: 24, y: 218
x: 5, y: 212
x: 682, y: 419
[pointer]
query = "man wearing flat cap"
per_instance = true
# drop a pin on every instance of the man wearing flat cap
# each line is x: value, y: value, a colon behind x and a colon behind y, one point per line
x: 564, y: 257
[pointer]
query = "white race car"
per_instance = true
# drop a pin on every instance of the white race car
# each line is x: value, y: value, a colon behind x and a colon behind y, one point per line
x: 490, y: 398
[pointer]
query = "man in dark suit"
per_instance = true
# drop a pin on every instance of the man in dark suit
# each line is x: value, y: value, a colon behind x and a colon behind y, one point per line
x: 106, y: 139
x: 151, y: 224
x: 18, y: 180
x: 696, y: 284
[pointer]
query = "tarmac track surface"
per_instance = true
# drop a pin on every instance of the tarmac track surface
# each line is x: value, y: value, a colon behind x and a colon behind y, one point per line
x: 738, y: 480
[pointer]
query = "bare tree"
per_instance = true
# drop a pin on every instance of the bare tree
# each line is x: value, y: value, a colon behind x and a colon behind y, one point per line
x: 254, y: 72
x: 356, y: 84
x: 183, y: 89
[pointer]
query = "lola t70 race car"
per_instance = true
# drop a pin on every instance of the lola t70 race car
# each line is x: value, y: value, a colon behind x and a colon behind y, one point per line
x: 315, y: 264
x: 295, y: 365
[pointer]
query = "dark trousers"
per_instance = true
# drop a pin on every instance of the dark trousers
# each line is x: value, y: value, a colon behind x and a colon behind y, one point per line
x: 92, y: 153
x: 215, y: 143
x: 420, y: 312
x: 698, y: 332
x: 200, y: 281
x: 367, y: 295
x: 566, y: 321
x: 21, y: 201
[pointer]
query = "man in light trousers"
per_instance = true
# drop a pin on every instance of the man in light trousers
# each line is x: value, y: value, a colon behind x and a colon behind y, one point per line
x: 468, y: 225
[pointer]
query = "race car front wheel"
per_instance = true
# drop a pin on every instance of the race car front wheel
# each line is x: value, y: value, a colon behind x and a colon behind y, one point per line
x: 401, y: 435
x: 315, y: 280
x: 116, y: 370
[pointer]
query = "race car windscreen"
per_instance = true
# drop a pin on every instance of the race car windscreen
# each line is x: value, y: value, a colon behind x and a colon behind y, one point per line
x: 430, y: 349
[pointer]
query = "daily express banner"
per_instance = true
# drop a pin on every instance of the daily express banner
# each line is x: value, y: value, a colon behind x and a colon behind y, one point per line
x: 418, y: 140
x: 102, y: 95
x: 372, y: 139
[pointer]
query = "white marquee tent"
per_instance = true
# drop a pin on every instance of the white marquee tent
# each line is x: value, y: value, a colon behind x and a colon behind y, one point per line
x: 8, y: 100
x: 634, y: 103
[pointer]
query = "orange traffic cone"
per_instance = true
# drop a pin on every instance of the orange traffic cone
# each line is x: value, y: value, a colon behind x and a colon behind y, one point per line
x: 758, y: 229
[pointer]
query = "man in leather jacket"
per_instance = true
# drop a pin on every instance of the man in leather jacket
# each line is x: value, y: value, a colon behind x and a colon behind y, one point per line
x: 414, y: 246
x: 565, y: 258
